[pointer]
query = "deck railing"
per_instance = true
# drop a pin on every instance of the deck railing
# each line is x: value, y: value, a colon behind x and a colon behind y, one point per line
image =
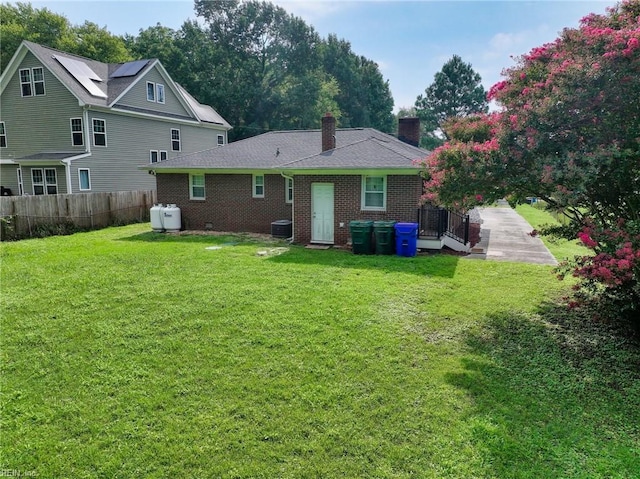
x: 438, y: 222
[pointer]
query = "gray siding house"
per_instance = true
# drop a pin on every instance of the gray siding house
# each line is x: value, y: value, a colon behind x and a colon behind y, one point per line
x: 69, y: 124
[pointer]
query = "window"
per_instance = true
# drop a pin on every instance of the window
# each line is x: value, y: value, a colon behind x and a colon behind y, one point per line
x: 163, y: 155
x: 175, y: 139
x: 38, y: 182
x: 45, y: 181
x: 25, y: 82
x: 196, y: 187
x: 220, y: 140
x: 155, y: 92
x: 84, y: 179
x: 3, y: 135
x: 160, y: 93
x: 32, y: 81
x: 288, y: 190
x: 258, y: 186
x: 153, y: 156
x: 51, y: 181
x: 20, y: 185
x: 151, y: 91
x: 99, y: 132
x: 374, y: 193
x: 38, y: 81
x: 77, y: 135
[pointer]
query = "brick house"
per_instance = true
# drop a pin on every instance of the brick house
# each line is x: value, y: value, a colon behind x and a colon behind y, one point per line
x: 321, y: 180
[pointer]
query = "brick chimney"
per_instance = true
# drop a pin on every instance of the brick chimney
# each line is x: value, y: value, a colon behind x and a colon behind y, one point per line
x: 328, y: 132
x: 409, y: 130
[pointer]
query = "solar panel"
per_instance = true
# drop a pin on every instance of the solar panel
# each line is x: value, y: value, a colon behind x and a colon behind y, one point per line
x: 77, y: 68
x: 129, y: 69
x: 83, y: 74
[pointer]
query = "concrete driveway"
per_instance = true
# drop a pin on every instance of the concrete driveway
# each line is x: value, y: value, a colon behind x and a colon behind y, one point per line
x: 505, y: 236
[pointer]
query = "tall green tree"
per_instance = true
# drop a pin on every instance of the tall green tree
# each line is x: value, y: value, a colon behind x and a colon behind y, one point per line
x: 456, y: 91
x: 23, y: 22
x: 261, y: 53
x: 92, y: 41
x: 365, y: 97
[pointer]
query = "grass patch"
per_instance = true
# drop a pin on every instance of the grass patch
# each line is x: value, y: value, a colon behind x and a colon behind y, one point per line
x: 560, y: 248
x: 127, y: 353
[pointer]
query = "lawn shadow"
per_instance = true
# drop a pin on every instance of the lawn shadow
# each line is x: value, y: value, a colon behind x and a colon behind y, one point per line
x: 205, y: 237
x: 552, y: 394
x: 437, y: 265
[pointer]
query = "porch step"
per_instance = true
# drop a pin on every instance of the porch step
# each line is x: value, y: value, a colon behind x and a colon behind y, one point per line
x: 318, y: 246
x: 477, y: 249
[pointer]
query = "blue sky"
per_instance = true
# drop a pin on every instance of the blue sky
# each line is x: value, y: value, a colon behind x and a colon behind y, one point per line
x: 410, y: 40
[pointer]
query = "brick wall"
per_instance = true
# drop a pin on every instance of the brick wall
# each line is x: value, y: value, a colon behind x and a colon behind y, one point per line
x: 403, y: 193
x: 229, y: 205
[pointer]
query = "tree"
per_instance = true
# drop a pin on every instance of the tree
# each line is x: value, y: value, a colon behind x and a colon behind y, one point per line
x: 23, y: 22
x: 370, y: 106
x: 261, y: 53
x: 456, y: 91
x: 91, y: 41
x: 568, y: 132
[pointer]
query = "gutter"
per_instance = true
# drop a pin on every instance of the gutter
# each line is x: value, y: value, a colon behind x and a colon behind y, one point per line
x: 290, y: 240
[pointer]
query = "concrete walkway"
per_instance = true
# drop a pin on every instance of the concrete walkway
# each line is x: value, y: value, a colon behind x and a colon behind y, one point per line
x: 505, y: 236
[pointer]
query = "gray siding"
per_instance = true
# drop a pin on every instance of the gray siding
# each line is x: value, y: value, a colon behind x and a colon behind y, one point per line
x: 129, y: 142
x: 137, y: 96
x: 37, y: 123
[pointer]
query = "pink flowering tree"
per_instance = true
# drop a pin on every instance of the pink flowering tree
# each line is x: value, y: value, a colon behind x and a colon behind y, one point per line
x: 568, y: 131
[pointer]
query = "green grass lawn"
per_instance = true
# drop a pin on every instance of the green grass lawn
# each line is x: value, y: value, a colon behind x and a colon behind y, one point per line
x: 127, y: 353
x: 560, y: 248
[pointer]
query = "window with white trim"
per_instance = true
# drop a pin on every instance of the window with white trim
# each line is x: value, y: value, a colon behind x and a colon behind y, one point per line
x: 374, y: 193
x: 84, y: 179
x: 175, y: 139
x: 196, y: 187
x: 20, y: 184
x: 77, y: 134
x: 159, y: 93
x: 258, y: 186
x: 3, y: 135
x: 25, y: 82
x: 153, y: 156
x: 288, y: 190
x: 220, y: 140
x: 32, y: 81
x: 44, y: 181
x: 163, y: 155
x: 151, y: 91
x: 38, y: 80
x: 99, y: 132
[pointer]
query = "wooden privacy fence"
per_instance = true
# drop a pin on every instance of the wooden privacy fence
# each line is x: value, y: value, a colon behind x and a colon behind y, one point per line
x: 28, y: 216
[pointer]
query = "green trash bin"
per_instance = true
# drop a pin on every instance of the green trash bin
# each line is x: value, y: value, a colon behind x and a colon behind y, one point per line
x: 384, y: 233
x: 361, y: 236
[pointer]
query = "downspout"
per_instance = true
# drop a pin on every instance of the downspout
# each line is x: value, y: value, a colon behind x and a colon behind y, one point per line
x: 290, y: 240
x: 87, y: 150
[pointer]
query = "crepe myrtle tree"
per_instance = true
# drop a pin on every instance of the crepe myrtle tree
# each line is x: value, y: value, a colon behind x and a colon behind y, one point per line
x: 567, y: 131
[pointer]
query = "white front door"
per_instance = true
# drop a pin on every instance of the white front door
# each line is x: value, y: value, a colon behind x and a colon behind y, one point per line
x: 322, y: 213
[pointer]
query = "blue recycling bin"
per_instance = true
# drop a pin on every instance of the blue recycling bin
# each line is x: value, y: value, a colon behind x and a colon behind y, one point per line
x: 406, y: 239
